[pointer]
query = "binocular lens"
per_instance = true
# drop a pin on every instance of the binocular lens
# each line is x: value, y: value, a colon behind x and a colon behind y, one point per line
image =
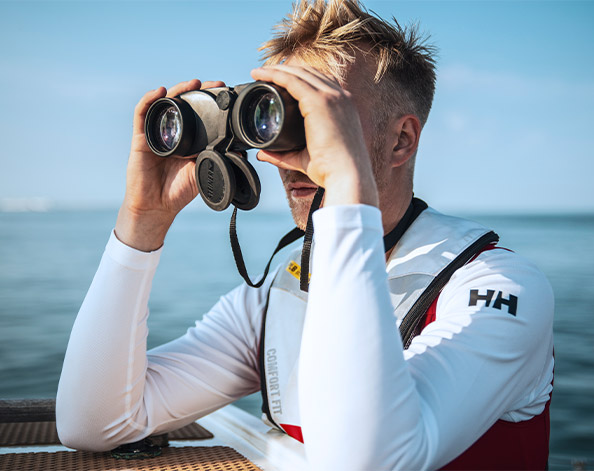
x: 258, y: 115
x: 169, y: 127
x: 267, y: 116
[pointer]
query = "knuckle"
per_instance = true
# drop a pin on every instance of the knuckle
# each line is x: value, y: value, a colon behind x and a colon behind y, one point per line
x: 334, y: 98
x: 144, y: 101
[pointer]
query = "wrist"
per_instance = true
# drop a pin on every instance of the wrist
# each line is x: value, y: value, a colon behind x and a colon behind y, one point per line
x: 142, y: 230
x: 351, y: 187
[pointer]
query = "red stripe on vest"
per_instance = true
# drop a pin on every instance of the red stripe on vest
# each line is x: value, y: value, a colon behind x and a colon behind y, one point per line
x: 506, y: 445
x: 293, y: 431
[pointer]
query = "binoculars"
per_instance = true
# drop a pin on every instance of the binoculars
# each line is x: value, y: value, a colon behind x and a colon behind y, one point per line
x: 216, y: 126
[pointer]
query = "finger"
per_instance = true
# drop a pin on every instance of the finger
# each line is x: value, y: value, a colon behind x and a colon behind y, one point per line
x: 142, y: 107
x: 309, y: 75
x: 212, y: 84
x: 284, y: 160
x: 307, y: 70
x: 184, y: 87
x: 296, y: 86
x: 304, y: 87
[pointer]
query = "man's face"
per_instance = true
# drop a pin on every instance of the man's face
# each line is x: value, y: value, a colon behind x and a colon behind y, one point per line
x: 299, y: 188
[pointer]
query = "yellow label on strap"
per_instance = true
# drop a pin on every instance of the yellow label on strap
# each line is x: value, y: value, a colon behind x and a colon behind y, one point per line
x: 294, y: 269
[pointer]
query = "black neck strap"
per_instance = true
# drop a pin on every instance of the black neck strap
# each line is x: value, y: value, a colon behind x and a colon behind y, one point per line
x: 415, y: 208
x: 287, y: 239
x: 308, y: 239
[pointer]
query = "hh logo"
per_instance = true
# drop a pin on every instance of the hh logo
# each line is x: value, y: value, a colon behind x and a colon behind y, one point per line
x: 511, y: 302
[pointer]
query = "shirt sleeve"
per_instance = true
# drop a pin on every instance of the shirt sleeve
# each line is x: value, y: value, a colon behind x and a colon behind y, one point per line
x: 112, y: 391
x: 366, y: 404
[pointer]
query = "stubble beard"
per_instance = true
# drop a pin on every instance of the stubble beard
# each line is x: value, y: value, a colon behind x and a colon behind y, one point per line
x: 299, y: 206
x: 299, y: 210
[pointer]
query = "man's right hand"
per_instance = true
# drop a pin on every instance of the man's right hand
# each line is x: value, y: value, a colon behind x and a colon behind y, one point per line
x: 157, y: 188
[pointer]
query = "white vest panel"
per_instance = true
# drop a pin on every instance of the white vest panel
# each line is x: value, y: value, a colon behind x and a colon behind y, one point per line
x: 429, y: 245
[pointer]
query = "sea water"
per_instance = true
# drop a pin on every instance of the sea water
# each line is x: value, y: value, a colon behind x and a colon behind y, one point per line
x: 48, y: 259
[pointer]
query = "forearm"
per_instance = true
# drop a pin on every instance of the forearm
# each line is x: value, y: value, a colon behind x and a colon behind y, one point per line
x: 353, y: 377
x: 103, y: 377
x: 112, y: 391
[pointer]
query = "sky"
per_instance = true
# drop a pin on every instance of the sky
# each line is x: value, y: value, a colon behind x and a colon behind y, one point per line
x: 511, y: 129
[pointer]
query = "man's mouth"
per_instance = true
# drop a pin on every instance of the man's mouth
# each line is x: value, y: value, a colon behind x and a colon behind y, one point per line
x: 302, y: 189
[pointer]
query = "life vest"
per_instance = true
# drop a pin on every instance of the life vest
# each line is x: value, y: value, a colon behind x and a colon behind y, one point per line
x: 432, y: 248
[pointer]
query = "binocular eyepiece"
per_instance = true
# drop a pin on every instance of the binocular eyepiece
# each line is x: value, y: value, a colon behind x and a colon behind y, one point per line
x: 216, y: 126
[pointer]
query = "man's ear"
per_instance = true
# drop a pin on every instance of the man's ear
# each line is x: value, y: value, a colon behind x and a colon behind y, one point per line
x: 407, y: 131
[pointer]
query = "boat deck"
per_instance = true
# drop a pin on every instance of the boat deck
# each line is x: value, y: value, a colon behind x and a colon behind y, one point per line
x: 239, y: 441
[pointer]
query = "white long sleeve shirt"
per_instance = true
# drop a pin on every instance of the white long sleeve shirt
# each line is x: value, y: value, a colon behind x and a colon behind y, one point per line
x: 364, y: 403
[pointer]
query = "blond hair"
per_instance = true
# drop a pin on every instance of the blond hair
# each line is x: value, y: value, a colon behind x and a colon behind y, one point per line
x: 327, y: 34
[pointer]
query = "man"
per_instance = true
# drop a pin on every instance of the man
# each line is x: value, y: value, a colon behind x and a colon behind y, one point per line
x: 471, y: 390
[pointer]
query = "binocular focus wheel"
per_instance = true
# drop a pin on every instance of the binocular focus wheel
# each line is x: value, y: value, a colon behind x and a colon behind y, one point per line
x: 215, y: 179
x: 247, y: 183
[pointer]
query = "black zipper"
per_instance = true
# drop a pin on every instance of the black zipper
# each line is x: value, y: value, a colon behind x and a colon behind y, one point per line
x: 412, y: 320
